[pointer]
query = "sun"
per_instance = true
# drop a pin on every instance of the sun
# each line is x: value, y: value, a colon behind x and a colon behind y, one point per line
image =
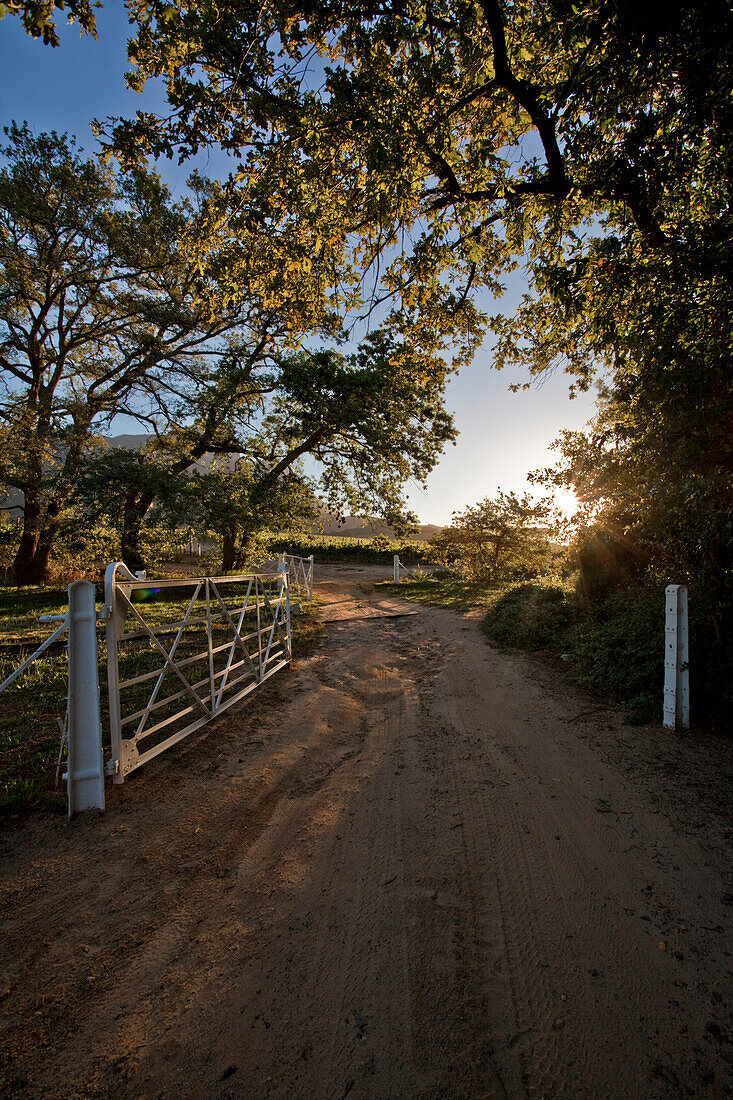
x: 566, y: 502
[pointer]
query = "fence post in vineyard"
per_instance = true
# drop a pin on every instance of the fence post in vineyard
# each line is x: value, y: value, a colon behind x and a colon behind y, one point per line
x: 85, y: 770
x: 676, y: 659
x: 396, y: 569
x: 310, y: 577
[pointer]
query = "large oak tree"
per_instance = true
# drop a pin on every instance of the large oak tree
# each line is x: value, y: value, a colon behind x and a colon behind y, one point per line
x: 102, y: 313
x: 368, y: 421
x: 437, y: 144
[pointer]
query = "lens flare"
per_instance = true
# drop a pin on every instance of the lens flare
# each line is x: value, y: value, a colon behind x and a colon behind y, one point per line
x: 141, y: 594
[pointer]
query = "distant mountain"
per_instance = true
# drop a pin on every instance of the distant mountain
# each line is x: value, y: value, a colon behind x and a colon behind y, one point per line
x: 137, y: 442
x: 129, y: 442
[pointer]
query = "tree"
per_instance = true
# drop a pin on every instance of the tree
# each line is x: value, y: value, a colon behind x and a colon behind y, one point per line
x: 35, y: 16
x: 504, y: 538
x: 234, y: 504
x: 452, y: 140
x: 653, y: 480
x: 101, y: 313
x: 368, y: 421
x: 438, y: 146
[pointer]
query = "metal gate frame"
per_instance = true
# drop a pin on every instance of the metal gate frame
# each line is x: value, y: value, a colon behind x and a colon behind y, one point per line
x: 300, y: 571
x: 204, y: 698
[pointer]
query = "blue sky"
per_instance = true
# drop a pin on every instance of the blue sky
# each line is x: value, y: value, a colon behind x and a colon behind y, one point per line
x: 503, y: 435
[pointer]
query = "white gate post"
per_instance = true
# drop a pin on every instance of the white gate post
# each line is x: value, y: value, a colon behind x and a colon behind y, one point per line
x: 396, y: 569
x: 284, y: 581
x: 310, y: 578
x: 85, y: 771
x: 676, y: 659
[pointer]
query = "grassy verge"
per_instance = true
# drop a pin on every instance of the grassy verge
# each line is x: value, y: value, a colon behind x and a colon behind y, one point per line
x: 30, y: 708
x: 29, y: 733
x: 444, y: 590
x: 612, y: 647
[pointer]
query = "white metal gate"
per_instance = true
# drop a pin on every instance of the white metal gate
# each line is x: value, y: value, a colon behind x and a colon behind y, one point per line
x: 300, y: 572
x: 180, y: 651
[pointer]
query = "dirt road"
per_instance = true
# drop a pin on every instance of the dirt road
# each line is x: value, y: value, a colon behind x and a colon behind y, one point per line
x: 412, y: 869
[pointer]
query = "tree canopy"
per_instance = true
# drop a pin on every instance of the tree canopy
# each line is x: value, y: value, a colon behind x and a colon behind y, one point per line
x: 507, y: 537
x: 103, y: 313
x: 425, y: 150
x: 452, y: 141
x: 368, y: 421
x: 37, y: 16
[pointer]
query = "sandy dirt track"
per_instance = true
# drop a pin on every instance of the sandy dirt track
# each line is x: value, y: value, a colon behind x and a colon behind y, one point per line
x: 413, y: 868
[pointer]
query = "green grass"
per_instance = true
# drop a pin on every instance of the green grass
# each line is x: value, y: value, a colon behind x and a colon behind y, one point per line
x: 445, y: 590
x: 20, y: 609
x: 29, y: 733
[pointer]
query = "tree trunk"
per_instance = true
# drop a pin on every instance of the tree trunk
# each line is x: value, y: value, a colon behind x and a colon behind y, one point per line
x: 40, y: 524
x: 228, y: 552
x: 130, y: 549
x: 31, y: 560
x: 134, y: 511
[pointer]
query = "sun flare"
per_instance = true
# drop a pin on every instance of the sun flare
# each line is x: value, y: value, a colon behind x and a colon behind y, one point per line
x: 566, y: 502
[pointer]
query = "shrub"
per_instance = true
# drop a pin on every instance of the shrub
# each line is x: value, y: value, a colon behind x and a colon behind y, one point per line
x: 615, y: 644
x: 530, y: 616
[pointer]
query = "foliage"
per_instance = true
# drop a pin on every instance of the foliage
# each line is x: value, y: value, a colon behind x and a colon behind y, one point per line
x: 367, y: 551
x: 500, y: 538
x: 377, y: 420
x: 530, y: 616
x: 100, y: 314
x: 614, y: 646
x: 9, y: 538
x: 369, y: 420
x: 380, y: 544
x: 36, y: 16
x: 440, y: 146
x: 657, y: 508
x: 420, y: 153
x: 238, y: 505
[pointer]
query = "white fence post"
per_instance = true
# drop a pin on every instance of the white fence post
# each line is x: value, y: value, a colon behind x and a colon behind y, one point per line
x: 85, y: 771
x: 284, y: 580
x: 676, y: 659
x: 310, y: 578
x: 396, y: 569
